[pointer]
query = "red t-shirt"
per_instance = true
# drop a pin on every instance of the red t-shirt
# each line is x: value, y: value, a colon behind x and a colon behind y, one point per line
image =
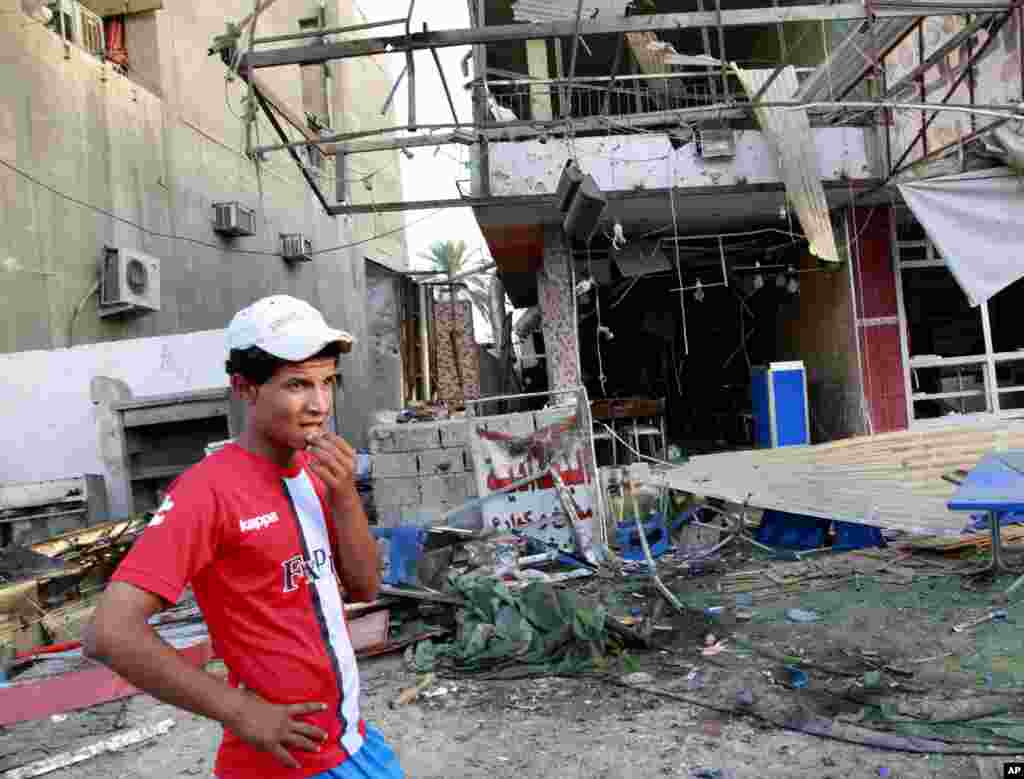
x: 255, y: 542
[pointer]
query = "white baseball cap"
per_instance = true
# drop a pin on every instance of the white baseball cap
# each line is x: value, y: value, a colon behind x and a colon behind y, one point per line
x: 285, y: 327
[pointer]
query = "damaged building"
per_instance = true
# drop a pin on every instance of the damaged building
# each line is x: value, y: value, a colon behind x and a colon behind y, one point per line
x: 711, y: 237
x: 134, y: 222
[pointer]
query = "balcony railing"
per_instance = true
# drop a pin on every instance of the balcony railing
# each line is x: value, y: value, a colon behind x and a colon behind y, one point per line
x: 524, y: 99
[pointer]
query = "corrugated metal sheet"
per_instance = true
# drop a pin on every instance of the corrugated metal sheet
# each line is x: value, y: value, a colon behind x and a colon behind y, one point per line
x: 891, y: 480
x: 849, y: 62
x: 563, y: 10
x: 789, y: 132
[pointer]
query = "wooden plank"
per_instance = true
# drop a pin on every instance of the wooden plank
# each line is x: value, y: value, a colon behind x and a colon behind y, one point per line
x: 76, y: 689
x: 112, y: 744
x: 491, y: 34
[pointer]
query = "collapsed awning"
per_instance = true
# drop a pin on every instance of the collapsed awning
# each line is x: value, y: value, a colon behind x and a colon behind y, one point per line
x: 976, y: 221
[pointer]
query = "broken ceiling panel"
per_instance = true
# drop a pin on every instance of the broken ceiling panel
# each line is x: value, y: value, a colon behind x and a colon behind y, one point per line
x: 565, y: 10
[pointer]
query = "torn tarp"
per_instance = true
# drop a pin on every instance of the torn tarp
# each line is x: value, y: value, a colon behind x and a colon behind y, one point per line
x: 976, y: 221
x: 538, y: 626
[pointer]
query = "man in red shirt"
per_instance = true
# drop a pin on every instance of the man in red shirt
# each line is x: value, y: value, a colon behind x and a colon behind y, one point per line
x: 262, y: 531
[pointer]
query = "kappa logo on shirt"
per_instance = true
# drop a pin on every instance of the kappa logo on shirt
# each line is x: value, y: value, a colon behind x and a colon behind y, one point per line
x: 258, y: 523
x: 160, y: 515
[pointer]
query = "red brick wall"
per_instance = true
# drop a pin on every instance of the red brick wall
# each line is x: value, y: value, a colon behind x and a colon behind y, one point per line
x: 875, y: 290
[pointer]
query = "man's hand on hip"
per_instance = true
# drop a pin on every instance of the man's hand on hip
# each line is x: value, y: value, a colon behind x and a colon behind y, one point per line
x: 276, y: 728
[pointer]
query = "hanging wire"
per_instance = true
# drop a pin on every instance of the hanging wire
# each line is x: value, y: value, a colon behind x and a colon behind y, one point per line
x: 679, y: 267
x: 597, y: 298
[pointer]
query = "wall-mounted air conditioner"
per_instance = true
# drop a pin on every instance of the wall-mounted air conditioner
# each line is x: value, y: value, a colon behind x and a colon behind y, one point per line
x: 129, y: 281
x: 295, y: 247
x: 233, y: 219
x: 716, y: 144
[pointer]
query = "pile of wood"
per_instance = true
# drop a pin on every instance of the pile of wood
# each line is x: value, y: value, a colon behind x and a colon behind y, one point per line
x: 968, y: 543
x: 47, y: 590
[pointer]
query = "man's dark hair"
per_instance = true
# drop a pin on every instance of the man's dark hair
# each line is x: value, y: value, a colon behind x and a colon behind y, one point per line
x: 259, y: 366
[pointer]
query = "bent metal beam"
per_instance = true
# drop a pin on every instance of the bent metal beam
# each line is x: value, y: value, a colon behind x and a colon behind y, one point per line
x: 312, y: 54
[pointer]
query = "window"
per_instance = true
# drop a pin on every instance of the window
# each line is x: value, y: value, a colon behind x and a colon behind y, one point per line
x: 961, y: 360
x: 77, y: 24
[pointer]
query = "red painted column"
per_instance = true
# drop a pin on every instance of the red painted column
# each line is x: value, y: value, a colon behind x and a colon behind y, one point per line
x: 874, y: 281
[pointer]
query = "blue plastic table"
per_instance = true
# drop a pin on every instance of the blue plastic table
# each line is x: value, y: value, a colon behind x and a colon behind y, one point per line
x: 995, y: 486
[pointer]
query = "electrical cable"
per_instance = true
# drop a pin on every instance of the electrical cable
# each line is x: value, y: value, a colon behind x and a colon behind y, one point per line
x: 198, y: 242
x: 629, y: 448
x: 679, y: 268
x: 726, y: 710
x: 600, y: 325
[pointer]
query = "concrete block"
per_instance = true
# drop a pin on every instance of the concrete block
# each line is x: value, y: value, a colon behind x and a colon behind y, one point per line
x: 454, y: 433
x: 409, y: 437
x: 390, y: 466
x: 396, y: 492
x: 449, y: 491
x: 440, y: 462
x: 408, y: 517
x: 521, y: 424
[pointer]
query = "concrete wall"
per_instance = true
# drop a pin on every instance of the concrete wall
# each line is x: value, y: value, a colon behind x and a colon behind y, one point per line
x: 639, y: 162
x: 56, y: 403
x: 156, y: 148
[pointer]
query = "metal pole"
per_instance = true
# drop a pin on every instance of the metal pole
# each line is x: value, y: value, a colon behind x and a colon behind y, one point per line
x: 330, y: 31
x: 567, y: 105
x: 295, y: 155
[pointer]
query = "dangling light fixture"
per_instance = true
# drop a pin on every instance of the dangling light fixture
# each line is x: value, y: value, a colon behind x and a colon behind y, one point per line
x: 780, y: 280
x: 698, y: 292
x: 793, y: 285
x: 758, y: 277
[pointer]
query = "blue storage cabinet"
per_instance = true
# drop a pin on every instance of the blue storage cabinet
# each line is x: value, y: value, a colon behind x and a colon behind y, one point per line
x: 779, y: 404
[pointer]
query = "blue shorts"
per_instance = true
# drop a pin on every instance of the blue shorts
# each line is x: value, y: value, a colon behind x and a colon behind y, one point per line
x: 375, y: 760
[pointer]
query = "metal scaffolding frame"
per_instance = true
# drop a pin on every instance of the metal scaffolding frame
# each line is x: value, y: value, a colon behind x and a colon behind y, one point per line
x: 885, y: 22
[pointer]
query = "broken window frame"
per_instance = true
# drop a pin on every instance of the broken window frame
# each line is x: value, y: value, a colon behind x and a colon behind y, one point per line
x: 989, y: 360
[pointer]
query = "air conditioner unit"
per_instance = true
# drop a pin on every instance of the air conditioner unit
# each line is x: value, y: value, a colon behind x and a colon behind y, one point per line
x: 714, y: 144
x: 233, y: 219
x: 90, y: 30
x: 295, y: 247
x: 129, y: 281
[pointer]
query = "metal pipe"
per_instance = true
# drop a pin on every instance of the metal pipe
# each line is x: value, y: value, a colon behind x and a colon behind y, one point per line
x: 330, y: 31
x: 567, y: 105
x: 497, y: 131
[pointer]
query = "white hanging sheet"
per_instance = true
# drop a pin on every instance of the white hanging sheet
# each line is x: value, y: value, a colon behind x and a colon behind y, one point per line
x: 976, y: 221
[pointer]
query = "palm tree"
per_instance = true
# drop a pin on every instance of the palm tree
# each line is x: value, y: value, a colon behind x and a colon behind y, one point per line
x: 451, y: 259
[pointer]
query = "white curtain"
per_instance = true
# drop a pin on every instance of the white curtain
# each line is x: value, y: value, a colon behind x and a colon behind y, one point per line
x: 788, y: 131
x: 976, y: 221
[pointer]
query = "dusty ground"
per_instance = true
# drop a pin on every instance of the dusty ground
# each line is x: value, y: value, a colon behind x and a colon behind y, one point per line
x: 526, y: 729
x: 548, y: 727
